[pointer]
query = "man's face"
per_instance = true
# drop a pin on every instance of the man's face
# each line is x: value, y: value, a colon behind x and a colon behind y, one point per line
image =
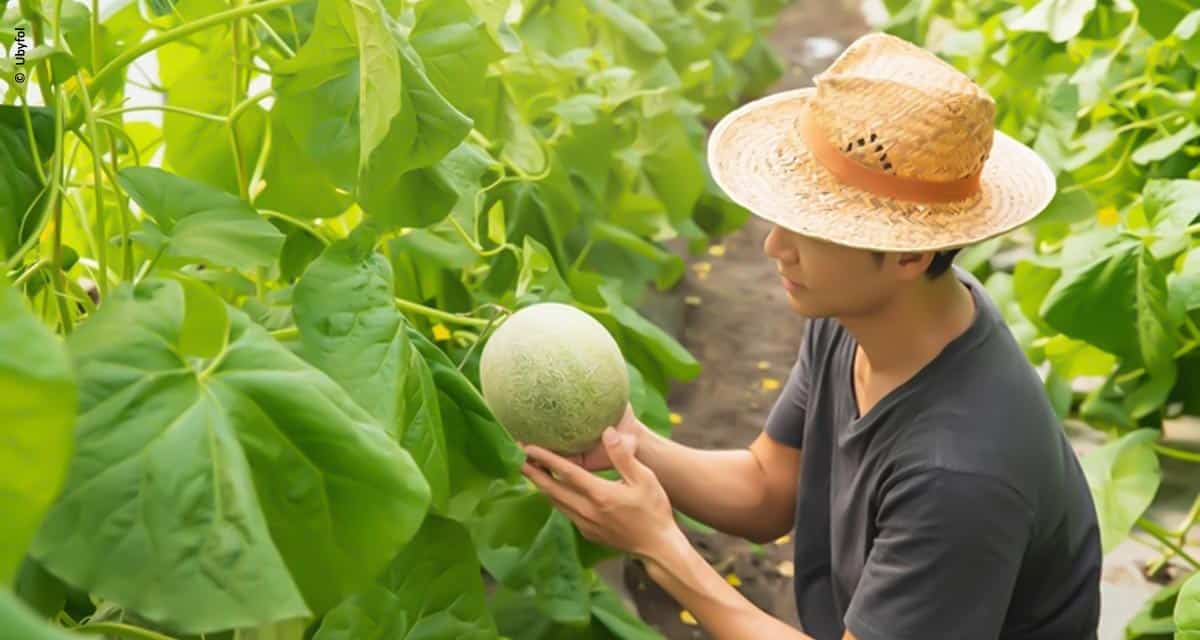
x: 836, y: 280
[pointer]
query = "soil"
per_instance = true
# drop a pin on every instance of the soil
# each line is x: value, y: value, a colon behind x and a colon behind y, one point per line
x: 736, y: 321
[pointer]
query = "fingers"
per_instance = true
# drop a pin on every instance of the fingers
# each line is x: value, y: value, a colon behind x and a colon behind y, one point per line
x: 621, y: 453
x: 562, y: 496
x: 567, y: 471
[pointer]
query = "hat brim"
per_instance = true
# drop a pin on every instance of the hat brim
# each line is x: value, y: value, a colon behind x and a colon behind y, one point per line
x: 761, y: 165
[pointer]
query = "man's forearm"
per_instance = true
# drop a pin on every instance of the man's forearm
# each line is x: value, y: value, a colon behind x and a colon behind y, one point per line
x: 723, y: 612
x: 724, y: 488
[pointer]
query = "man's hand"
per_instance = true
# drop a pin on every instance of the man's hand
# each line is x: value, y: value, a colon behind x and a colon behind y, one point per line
x: 632, y: 514
x: 596, y: 458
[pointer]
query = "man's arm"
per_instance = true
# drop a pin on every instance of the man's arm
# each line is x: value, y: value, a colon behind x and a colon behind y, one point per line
x: 750, y: 493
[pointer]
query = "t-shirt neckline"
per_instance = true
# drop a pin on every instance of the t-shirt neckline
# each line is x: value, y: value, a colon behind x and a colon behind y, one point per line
x: 975, y: 331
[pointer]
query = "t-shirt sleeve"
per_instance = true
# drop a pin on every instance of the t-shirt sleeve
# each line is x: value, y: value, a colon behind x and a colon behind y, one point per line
x: 785, y: 422
x: 944, y: 561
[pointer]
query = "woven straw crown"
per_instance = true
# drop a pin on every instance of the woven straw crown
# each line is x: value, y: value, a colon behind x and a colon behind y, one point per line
x: 893, y: 150
x: 894, y: 106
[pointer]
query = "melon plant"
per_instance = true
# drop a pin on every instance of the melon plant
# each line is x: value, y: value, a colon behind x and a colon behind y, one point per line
x: 554, y: 377
x: 241, y: 295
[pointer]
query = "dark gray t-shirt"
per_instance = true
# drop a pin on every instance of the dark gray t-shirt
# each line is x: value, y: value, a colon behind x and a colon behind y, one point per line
x: 955, y: 509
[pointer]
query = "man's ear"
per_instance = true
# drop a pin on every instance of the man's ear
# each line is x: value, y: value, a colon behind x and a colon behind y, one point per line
x: 912, y: 264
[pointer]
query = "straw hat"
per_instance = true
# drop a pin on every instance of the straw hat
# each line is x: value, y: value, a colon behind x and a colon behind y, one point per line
x: 893, y: 150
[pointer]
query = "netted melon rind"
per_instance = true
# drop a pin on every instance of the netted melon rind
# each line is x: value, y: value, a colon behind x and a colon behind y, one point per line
x: 555, y: 377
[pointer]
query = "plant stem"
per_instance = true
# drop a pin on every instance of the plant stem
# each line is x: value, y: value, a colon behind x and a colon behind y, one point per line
x: 439, y: 314
x: 1178, y: 454
x: 60, y: 278
x: 126, y: 246
x: 97, y: 182
x: 286, y: 333
x: 163, y: 107
x: 1164, y: 536
x: 125, y: 630
x: 42, y: 263
x: 171, y: 35
x: 241, y: 107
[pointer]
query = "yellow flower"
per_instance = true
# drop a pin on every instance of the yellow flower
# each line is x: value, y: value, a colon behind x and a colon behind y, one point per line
x: 440, y: 332
x: 770, y: 384
x: 1108, y: 216
x: 676, y: 418
x: 733, y: 579
x: 687, y: 617
x: 717, y: 250
x: 763, y: 364
x: 783, y: 539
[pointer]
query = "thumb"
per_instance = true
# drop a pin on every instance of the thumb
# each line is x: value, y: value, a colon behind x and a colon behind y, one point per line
x: 622, y: 455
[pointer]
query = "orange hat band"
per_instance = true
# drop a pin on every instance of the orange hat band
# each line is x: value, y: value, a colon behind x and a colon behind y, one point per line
x: 855, y: 174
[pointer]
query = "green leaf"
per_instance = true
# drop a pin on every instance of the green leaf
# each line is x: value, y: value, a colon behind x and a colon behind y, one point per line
x: 1159, y: 148
x: 36, y: 420
x: 676, y: 360
x: 480, y: 450
x: 1062, y: 19
x: 453, y: 43
x: 18, y: 621
x: 432, y: 589
x: 21, y: 190
x: 495, y: 223
x: 205, y: 321
x: 1074, y: 358
x: 193, y: 220
x: 1171, y: 205
x: 1123, y: 476
x: 1160, y: 18
x: 296, y: 184
x: 1086, y: 303
x: 350, y: 329
x: 1156, y: 617
x: 1156, y: 332
x: 628, y: 25
x: 524, y: 542
x: 232, y: 492
x: 1187, y: 610
x: 608, y: 609
x: 40, y: 589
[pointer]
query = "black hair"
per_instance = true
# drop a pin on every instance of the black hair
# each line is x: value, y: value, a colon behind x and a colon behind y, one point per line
x: 940, y: 264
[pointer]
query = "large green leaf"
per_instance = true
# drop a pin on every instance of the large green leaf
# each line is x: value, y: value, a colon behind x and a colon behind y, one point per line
x: 357, y: 100
x: 432, y: 590
x: 18, y: 621
x: 480, y: 450
x: 453, y: 42
x: 524, y: 542
x: 21, y: 189
x: 1095, y: 303
x: 1123, y: 476
x: 1160, y: 18
x: 296, y: 184
x: 1157, y: 337
x: 189, y: 219
x: 1187, y: 610
x: 351, y: 330
x: 36, y: 420
x: 1156, y: 619
x: 227, y: 492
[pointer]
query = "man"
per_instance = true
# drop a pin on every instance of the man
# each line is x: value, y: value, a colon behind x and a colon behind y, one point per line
x: 913, y: 453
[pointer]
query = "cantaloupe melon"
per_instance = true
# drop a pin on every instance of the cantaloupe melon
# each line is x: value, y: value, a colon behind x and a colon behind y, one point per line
x: 554, y: 377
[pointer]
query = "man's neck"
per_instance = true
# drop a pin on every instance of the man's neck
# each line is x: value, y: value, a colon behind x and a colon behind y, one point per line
x: 907, y: 334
